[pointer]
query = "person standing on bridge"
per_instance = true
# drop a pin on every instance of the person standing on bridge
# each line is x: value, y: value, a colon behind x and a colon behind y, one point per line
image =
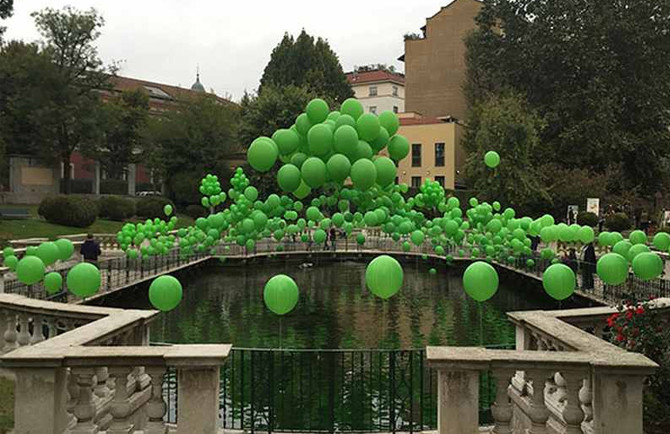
x: 90, y: 250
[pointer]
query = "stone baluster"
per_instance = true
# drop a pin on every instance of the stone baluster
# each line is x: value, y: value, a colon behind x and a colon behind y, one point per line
x: 3, y: 327
x: 51, y: 327
x: 101, y: 390
x: 73, y: 396
x: 502, y: 409
x: 586, y: 398
x: 23, y: 337
x: 538, y: 411
x: 10, y: 334
x: 156, y: 407
x: 38, y: 330
x: 572, y: 412
x: 120, y: 407
x: 84, y: 410
x: 557, y: 384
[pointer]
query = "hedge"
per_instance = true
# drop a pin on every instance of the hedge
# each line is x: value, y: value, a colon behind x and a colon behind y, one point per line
x: 116, y: 208
x: 77, y: 211
x: 618, y: 222
x: 152, y: 206
x: 113, y: 186
x: 195, y: 211
x: 587, y: 219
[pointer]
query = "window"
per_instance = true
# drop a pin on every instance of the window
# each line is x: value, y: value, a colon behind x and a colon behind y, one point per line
x: 439, y: 154
x: 373, y: 109
x: 395, y: 109
x: 373, y: 90
x: 395, y: 90
x: 416, y: 155
x: 440, y: 180
x: 416, y: 181
x: 396, y: 180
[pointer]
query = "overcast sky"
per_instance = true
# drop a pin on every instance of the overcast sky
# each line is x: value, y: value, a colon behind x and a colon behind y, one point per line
x: 164, y: 40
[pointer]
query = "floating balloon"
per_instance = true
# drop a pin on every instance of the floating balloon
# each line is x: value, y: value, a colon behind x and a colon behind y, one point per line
x: 281, y: 294
x: 48, y: 252
x: 389, y: 121
x: 289, y: 178
x: 384, y: 276
x: 338, y: 167
x: 317, y: 111
x: 314, y: 172
x: 30, y: 270
x: 53, y: 282
x: 647, y: 265
x: 638, y: 237
x: 83, y: 280
x: 398, y: 147
x: 11, y: 262
x: 363, y: 174
x: 559, y: 281
x: 662, y: 241
x: 165, y: 293
x: 262, y: 154
x: 167, y: 209
x: 612, y: 268
x: 352, y: 107
x: 492, y: 159
x: 386, y: 171
x: 480, y: 281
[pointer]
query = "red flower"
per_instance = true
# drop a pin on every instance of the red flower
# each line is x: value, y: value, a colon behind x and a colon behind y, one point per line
x: 619, y: 337
x: 639, y: 310
x: 629, y: 314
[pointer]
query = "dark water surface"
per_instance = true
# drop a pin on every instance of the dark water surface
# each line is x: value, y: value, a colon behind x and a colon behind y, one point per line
x: 335, y: 310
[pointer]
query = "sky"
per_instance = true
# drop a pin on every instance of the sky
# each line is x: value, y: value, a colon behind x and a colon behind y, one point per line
x: 165, y: 40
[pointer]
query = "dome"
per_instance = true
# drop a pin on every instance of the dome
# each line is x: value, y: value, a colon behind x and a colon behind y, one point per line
x: 197, y: 86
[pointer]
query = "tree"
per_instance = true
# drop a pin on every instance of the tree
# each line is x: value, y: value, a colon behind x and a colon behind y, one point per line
x: 307, y: 63
x: 597, y: 71
x: 193, y: 140
x: 507, y: 126
x: 70, y: 119
x: 6, y: 10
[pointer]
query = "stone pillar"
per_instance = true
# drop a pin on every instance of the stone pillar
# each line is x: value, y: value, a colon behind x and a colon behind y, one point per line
x: 198, y: 403
x: 132, y: 176
x: 457, y: 402
x: 617, y: 403
x: 96, y: 179
x: 40, y: 392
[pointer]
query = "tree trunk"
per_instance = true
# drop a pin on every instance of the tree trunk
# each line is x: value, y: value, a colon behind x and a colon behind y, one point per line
x: 66, y: 185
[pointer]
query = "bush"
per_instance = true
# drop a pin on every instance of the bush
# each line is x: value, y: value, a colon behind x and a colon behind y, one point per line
x: 77, y: 211
x: 185, y: 188
x: 116, y: 208
x: 618, y: 222
x: 587, y: 219
x: 195, y: 211
x: 152, y: 206
x: 113, y: 186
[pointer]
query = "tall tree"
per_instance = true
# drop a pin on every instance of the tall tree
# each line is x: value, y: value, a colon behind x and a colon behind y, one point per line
x: 597, y: 70
x: 306, y: 62
x: 71, y: 118
x: 6, y: 10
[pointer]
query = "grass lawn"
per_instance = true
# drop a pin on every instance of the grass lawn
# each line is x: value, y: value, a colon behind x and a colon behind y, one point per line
x: 6, y: 405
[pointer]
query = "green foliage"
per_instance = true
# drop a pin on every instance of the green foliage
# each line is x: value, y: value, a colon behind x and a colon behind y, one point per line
x: 113, y: 186
x: 601, y: 79
x: 618, y: 222
x: 6, y: 9
x: 184, y: 187
x: 505, y: 125
x: 305, y: 62
x: 81, y: 186
x: 116, y: 208
x: 195, y: 211
x: 151, y: 207
x: 587, y: 219
x: 77, y: 211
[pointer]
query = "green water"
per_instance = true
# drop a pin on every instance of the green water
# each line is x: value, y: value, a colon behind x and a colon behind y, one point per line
x: 335, y: 310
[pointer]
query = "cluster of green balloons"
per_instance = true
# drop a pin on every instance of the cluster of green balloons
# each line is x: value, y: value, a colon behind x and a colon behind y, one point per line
x: 31, y: 268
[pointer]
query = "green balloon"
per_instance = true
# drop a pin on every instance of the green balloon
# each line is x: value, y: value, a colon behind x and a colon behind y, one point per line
x: 384, y: 276
x: 53, y: 282
x: 320, y: 139
x: 48, y: 252
x: 281, y: 294
x: 314, y: 172
x: 320, y: 236
x: 345, y: 140
x: 585, y: 234
x: 303, y: 191
x: 317, y: 111
x: 345, y: 120
x: 368, y: 127
x: 647, y: 266
x: 406, y: 247
x: 386, y: 171
x: 11, y: 262
x: 636, y: 250
x: 492, y: 159
x: 287, y: 141
x: 8, y: 251
x: 167, y: 209
x: 638, y: 237
x: 363, y: 174
x: 398, y: 147
x: 303, y: 124
x: 370, y: 218
x: 363, y: 151
x: 338, y: 167
x: 351, y: 107
x: 30, y: 270
x: 298, y: 159
x: 262, y: 154
x: 83, y: 280
x: 251, y: 193
x: 612, y: 268
x: 360, y: 239
x: 559, y: 281
x: 390, y: 121
x: 165, y: 293
x: 480, y: 281
x: 622, y: 248
x: 662, y: 241
x: 604, y: 239
x: 288, y: 178
x: 381, y: 141
x: 417, y: 238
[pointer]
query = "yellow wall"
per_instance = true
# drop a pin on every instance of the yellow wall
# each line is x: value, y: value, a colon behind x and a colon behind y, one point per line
x: 37, y: 176
x: 383, y: 89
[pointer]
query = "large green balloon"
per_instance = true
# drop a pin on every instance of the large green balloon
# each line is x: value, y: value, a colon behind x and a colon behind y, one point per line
x: 381, y: 141
x: 338, y: 167
x: 390, y: 121
x: 53, y: 282
x: 622, y: 248
x: 363, y: 174
x: 638, y: 237
x: 612, y: 268
x: 417, y: 238
x: 386, y: 171
x: 320, y: 236
x: 345, y: 120
x: 8, y: 251
x: 398, y: 147
x: 384, y: 276
x: 165, y: 293
x: 586, y: 234
x: 251, y: 193
x: 647, y: 266
x: 352, y: 107
x: 303, y: 124
x: 480, y: 281
x: 303, y: 191
x: 30, y: 270
x: 317, y: 111
x: 314, y: 172
x: 289, y: 178
x: 48, y: 252
x: 636, y: 250
x: 662, y: 241
x: 11, y: 262
x: 281, y: 294
x: 287, y: 141
x: 368, y: 127
x: 345, y: 140
x: 262, y: 154
x: 83, y: 280
x: 559, y: 281
x: 320, y: 139
x: 492, y: 159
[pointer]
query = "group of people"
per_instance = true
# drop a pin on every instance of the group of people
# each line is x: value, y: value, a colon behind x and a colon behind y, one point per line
x: 587, y: 260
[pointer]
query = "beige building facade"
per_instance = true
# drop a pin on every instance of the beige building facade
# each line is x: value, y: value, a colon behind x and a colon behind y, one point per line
x: 378, y: 90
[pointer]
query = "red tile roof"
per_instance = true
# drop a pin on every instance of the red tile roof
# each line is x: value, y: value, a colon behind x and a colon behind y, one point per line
x: 374, y: 76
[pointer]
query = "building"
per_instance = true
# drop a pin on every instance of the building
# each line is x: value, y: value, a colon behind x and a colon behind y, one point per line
x: 378, y: 90
x: 435, y: 67
x: 434, y: 151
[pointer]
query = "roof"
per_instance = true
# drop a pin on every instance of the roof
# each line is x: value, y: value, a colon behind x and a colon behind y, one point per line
x: 155, y: 90
x: 407, y: 122
x: 374, y: 76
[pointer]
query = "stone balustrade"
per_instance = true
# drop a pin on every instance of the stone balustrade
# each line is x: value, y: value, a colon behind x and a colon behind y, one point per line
x: 99, y: 373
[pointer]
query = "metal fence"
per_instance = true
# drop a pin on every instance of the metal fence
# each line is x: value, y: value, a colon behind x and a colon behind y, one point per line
x: 288, y: 390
